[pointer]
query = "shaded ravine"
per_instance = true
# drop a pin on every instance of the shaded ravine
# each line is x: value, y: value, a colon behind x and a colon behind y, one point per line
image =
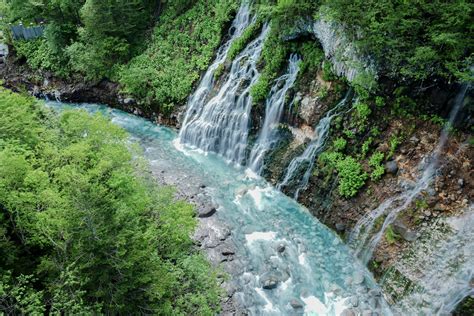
x: 285, y: 261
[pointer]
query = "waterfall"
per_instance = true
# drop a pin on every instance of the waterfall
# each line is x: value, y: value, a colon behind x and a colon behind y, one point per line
x: 359, y: 239
x: 274, y: 106
x: 308, y: 157
x: 196, y: 101
x: 221, y: 125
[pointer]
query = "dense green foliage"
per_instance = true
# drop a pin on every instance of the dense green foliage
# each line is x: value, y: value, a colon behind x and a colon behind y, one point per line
x: 82, y: 229
x: 89, y: 37
x: 182, y: 46
x: 351, y: 175
x: 412, y: 40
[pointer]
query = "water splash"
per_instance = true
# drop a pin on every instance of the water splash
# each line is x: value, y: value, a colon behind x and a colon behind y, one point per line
x: 308, y: 157
x: 360, y: 238
x: 221, y: 125
x: 274, y: 106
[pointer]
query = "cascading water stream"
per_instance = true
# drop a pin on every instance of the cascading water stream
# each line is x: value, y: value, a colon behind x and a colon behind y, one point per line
x: 308, y: 157
x: 196, y: 101
x: 274, y: 106
x: 447, y: 267
x: 221, y: 125
x: 359, y: 239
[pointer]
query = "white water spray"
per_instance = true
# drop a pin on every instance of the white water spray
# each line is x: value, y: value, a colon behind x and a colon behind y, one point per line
x: 274, y: 106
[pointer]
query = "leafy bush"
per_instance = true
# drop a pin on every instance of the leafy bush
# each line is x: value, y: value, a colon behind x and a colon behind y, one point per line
x: 182, y: 46
x: 312, y: 56
x: 375, y: 162
x: 273, y: 58
x: 40, y: 55
x: 351, y: 176
x: 362, y: 113
x: 411, y: 41
x: 339, y: 144
x: 366, y: 147
x: 328, y: 74
x: 390, y: 235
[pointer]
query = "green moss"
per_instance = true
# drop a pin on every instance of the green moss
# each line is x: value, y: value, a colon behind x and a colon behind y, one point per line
x: 239, y: 44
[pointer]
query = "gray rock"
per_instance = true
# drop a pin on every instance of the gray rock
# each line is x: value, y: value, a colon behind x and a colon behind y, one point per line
x: 348, y: 312
x: 358, y: 278
x: 354, y: 301
x: 461, y: 182
x: 406, y: 233
x: 296, y: 303
x: 281, y: 248
x: 128, y: 101
x: 227, y: 251
x: 206, y: 211
x: 269, y: 283
x: 415, y: 140
x: 367, y: 313
x: 391, y: 167
x: 340, y: 227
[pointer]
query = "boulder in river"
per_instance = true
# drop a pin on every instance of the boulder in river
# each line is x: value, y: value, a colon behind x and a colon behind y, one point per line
x: 296, y: 303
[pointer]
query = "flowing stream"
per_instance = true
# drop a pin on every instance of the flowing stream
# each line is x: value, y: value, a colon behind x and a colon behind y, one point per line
x: 360, y: 239
x: 315, y: 268
x: 274, y: 107
x: 305, y: 162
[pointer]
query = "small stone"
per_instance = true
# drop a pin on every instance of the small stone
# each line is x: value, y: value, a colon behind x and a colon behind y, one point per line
x: 348, y: 312
x: 391, y: 167
x: 281, y: 248
x: 438, y: 207
x: 414, y: 140
x: 340, y: 227
x: 354, y: 301
x: 358, y: 278
x: 427, y: 213
x: 296, y: 303
x: 227, y: 251
x: 207, y: 211
x: 461, y: 182
x: 269, y: 284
